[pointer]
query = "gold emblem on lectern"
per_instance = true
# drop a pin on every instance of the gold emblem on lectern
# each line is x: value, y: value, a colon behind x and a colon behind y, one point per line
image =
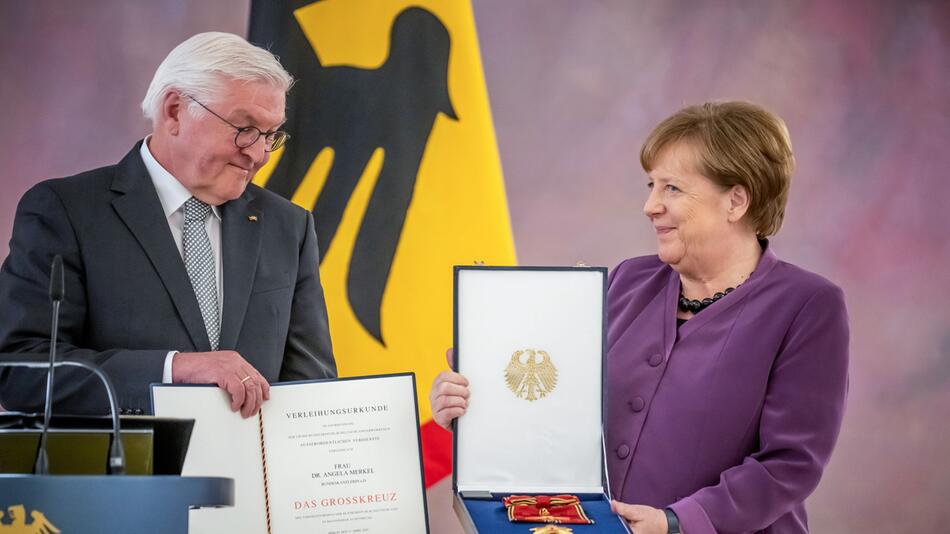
x: 18, y: 525
x: 529, y: 378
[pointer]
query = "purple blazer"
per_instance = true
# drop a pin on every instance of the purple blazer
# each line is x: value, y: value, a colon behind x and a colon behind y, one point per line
x: 731, y: 420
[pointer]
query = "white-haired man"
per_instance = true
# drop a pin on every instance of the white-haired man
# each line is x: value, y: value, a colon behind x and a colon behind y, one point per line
x: 177, y: 268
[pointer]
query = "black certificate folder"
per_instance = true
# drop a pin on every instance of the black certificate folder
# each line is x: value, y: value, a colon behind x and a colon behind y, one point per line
x: 531, y: 341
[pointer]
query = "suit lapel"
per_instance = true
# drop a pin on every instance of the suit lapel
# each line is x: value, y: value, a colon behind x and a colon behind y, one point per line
x: 670, y: 302
x: 141, y: 210
x: 240, y: 248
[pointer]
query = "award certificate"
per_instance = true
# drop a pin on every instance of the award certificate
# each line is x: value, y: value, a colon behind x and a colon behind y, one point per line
x: 335, y: 456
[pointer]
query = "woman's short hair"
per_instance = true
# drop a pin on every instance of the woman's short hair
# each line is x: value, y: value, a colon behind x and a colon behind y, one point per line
x: 199, y: 66
x: 737, y: 143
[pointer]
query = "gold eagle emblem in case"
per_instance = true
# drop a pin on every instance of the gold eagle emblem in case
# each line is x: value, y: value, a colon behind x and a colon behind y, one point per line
x: 531, y: 374
x: 18, y: 524
x: 551, y: 529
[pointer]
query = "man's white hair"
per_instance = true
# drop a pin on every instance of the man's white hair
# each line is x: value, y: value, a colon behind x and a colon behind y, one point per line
x: 200, y: 65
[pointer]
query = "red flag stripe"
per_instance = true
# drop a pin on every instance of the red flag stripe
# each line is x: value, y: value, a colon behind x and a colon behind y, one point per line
x: 436, y: 452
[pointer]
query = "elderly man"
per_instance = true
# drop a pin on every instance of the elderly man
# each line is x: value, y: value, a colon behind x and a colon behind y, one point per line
x: 177, y: 268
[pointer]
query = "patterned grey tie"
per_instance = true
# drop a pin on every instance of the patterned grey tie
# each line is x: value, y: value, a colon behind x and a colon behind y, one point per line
x: 199, y: 261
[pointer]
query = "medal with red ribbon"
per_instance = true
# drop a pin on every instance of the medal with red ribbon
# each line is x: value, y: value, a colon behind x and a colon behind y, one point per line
x: 546, y: 509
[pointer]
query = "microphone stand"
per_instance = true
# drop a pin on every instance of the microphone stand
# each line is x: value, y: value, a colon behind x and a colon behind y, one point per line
x: 42, y: 459
x: 57, y: 290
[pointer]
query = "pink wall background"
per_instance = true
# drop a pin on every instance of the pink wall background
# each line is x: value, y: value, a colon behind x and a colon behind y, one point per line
x: 575, y: 87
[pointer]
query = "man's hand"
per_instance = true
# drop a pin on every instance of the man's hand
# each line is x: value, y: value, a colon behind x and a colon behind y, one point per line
x: 449, y: 395
x: 226, y: 368
x: 642, y: 519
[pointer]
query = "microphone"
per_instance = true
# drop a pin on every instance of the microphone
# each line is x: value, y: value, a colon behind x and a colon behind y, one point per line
x: 57, y: 281
x: 57, y: 290
x: 116, y: 465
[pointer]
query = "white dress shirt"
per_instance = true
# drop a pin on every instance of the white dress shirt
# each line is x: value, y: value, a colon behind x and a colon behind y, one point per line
x: 173, y: 196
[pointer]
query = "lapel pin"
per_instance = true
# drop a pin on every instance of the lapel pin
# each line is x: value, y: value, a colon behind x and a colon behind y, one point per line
x: 252, y: 218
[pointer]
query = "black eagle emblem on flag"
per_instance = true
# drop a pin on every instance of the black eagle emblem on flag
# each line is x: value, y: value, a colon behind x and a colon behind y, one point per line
x: 356, y: 111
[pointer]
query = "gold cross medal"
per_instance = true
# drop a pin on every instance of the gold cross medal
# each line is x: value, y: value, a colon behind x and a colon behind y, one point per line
x: 551, y: 529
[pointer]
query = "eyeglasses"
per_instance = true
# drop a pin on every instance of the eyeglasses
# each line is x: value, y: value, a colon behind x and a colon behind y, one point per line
x: 248, y: 135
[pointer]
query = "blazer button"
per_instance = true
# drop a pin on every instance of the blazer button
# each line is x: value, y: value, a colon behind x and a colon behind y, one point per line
x: 123, y: 411
x: 138, y: 411
x: 623, y: 451
x: 637, y: 404
x: 656, y: 359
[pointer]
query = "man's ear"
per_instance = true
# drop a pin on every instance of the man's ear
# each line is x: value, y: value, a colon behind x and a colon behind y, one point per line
x: 169, y: 113
x: 738, y: 203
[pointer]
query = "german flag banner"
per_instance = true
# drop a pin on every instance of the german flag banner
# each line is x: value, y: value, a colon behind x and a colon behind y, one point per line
x: 393, y: 149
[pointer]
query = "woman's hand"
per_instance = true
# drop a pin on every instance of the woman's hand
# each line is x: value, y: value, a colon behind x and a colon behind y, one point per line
x: 642, y: 519
x: 449, y: 395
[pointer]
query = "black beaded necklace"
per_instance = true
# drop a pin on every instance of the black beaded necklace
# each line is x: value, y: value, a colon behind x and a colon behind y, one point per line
x: 696, y: 306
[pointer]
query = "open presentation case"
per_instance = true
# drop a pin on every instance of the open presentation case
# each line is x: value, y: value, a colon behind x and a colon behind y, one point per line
x: 531, y: 342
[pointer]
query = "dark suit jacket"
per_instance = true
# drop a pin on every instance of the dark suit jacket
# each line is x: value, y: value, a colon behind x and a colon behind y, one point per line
x: 128, y: 297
